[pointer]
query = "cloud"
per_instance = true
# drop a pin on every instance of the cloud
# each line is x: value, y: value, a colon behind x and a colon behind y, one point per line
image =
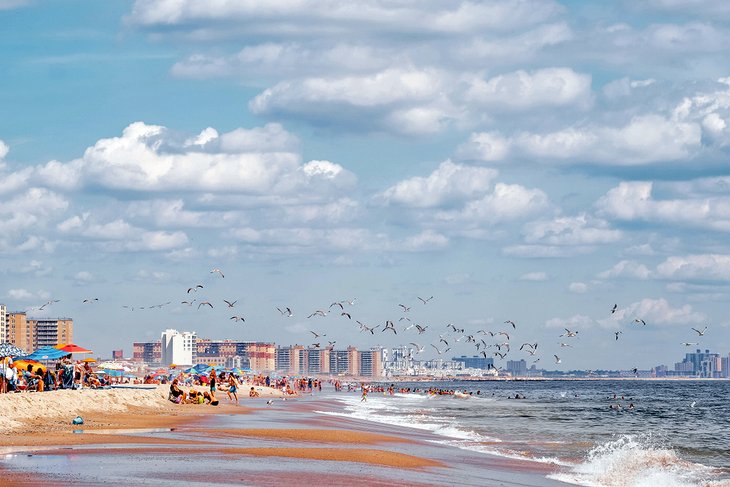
x: 152, y: 158
x: 449, y: 183
x: 626, y: 269
x: 572, y: 323
x: 578, y: 287
x: 519, y: 91
x: 120, y: 236
x: 11, y: 4
x: 656, y: 312
x: 633, y: 201
x: 280, y: 17
x: 534, y: 276
x: 426, y: 240
x: 20, y: 295
x: 713, y: 267
x: 577, y: 230
x: 84, y: 277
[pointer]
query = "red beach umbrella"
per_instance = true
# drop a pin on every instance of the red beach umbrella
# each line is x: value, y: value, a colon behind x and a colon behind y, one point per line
x: 73, y: 348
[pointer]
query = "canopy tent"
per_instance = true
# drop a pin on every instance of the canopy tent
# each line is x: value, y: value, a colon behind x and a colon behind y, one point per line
x: 10, y: 350
x: 45, y: 353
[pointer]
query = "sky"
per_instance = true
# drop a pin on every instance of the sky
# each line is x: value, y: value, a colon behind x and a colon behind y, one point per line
x: 526, y: 160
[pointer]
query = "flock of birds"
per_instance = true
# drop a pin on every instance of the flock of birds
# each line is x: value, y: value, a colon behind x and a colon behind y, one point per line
x: 488, y: 343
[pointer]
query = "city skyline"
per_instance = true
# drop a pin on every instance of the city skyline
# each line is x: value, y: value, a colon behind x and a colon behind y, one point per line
x: 539, y: 162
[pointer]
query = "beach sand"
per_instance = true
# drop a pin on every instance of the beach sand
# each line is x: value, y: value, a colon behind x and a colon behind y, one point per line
x: 137, y: 437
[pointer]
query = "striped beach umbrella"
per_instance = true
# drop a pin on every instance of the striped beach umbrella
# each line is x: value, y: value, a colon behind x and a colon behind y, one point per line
x: 10, y: 350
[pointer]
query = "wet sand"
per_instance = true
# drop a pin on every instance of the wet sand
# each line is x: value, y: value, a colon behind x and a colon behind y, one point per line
x: 255, y: 444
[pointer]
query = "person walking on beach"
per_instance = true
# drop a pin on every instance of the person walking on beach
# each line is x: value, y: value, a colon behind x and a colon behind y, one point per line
x: 232, y: 386
x: 364, y: 394
x: 212, y: 381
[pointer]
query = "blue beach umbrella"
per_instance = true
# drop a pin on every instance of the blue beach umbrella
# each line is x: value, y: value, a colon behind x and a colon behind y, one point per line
x: 46, y: 353
x: 10, y: 350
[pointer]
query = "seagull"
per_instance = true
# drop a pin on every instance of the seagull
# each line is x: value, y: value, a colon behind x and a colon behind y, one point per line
x: 195, y: 288
x: 529, y: 345
x: 615, y: 307
x: 189, y: 303
x: 315, y: 345
x: 617, y: 333
x: 237, y: 318
x: 319, y: 312
x: 404, y: 318
x: 425, y: 300
x: 131, y: 308
x: 218, y: 271
x: 229, y: 303
x: 565, y: 345
x: 419, y: 348
x: 443, y: 340
x: 440, y: 351
x: 91, y: 300
x: 500, y: 355
x: 269, y: 402
x: 344, y: 313
x: 330, y: 344
x: 421, y: 329
x: 287, y: 312
x: 317, y: 335
x: 204, y: 302
x: 389, y: 326
x: 337, y: 303
x: 406, y: 309
x: 48, y: 303
x: 639, y: 320
x: 569, y: 333
x: 700, y: 333
x: 557, y: 359
x: 503, y: 333
x: 693, y: 404
x: 512, y: 323
x: 689, y: 344
x: 351, y: 302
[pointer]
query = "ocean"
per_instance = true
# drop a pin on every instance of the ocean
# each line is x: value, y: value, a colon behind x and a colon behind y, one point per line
x: 676, y: 434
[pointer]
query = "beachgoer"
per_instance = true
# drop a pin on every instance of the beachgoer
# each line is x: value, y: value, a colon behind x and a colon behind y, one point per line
x: 232, y: 386
x: 176, y: 395
x: 364, y: 394
x: 212, y: 380
x: 253, y: 393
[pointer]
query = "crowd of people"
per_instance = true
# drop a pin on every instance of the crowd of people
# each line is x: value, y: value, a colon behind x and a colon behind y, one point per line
x: 66, y: 374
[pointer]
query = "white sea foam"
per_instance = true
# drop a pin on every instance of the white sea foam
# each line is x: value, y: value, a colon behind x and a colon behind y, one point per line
x: 636, y: 461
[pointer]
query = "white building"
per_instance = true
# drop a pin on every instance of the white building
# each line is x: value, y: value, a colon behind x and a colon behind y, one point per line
x: 3, y: 323
x: 178, y: 348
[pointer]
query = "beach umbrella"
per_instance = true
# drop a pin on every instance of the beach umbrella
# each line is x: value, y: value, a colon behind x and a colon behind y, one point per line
x: 72, y: 348
x: 10, y: 350
x: 89, y: 359
x: 22, y: 365
x: 111, y: 365
x: 46, y: 353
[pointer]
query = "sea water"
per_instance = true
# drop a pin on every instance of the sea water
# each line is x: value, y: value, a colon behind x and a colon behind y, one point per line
x: 676, y: 434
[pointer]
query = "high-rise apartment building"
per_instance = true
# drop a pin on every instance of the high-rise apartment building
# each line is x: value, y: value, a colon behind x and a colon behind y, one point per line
x: 3, y: 323
x: 147, y: 352
x: 18, y: 331
x: 49, y: 332
x: 178, y: 348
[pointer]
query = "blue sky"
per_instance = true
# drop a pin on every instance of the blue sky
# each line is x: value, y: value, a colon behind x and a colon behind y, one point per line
x: 526, y: 160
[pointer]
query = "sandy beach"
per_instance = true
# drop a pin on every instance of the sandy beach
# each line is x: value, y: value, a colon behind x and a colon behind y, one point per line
x: 138, y: 437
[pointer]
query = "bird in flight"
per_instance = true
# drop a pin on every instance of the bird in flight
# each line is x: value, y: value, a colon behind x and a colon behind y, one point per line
x: 615, y: 307
x: 700, y: 333
x: 195, y: 288
x: 48, y: 303
x: 617, y: 333
x: 319, y: 312
x: 424, y: 301
x: 345, y: 313
x: 563, y: 345
x: 389, y: 325
x: 315, y: 345
x: 419, y: 348
x: 237, y: 318
x: 285, y: 311
x: 91, y: 300
x: 557, y: 359
x: 421, y: 329
x: 337, y: 303
x: 440, y: 351
x: 640, y: 321
x: 189, y: 303
x: 204, y: 302
x: 569, y: 333
x: 512, y: 323
x: 500, y: 355
x: 317, y: 335
x: 501, y: 333
x: 406, y: 309
x: 131, y: 308
x: 218, y: 271
x: 230, y: 303
x: 689, y: 344
x: 364, y: 327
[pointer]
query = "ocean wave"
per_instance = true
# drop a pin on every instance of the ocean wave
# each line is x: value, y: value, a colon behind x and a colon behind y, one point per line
x: 637, y: 461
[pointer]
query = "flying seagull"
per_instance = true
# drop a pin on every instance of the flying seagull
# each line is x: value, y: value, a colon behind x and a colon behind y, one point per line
x: 639, y: 320
x: 615, y: 307
x: 218, y: 271
x: 317, y: 335
x: 230, y: 303
x: 319, y: 312
x: 345, y: 313
x: 406, y: 309
x: 557, y: 359
x: 419, y: 348
x: 285, y: 311
x: 195, y: 288
x: 511, y: 323
x: 424, y: 301
x: 617, y: 333
x: 204, y: 302
x: 389, y: 325
x: 569, y: 333
x: 91, y: 300
x: 700, y: 333
x: 237, y: 318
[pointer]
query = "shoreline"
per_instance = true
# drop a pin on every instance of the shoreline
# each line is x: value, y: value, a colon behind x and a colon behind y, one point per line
x: 267, y: 443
